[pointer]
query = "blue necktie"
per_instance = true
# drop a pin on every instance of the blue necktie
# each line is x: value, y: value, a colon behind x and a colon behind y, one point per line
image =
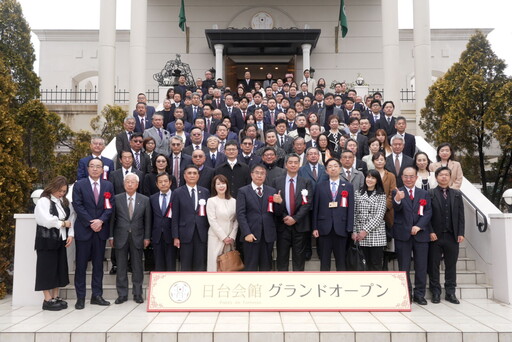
x: 213, y: 159
x: 334, y: 190
x: 193, y: 196
x: 164, y: 204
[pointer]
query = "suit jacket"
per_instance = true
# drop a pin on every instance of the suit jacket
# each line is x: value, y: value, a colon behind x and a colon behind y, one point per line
x: 237, y: 119
x: 305, y: 172
x: 267, y: 117
x: 362, y: 146
x: 147, y: 122
x: 87, y: 210
x: 341, y: 218
x: 149, y: 186
x: 238, y: 177
x: 171, y: 127
x: 252, y: 108
x: 389, y: 128
x: 139, y: 225
x: 117, y: 180
x: 184, y: 161
x: 108, y: 166
x: 168, y: 116
x: 356, y: 178
x: 322, y: 119
x: 253, y: 160
x: 189, y: 113
x: 222, y: 104
x: 248, y: 86
x: 362, y: 166
x: 220, y: 158
x: 456, y: 179
x: 301, y: 211
x: 390, y: 166
x: 122, y: 143
x: 252, y: 214
x: 406, y: 216
x: 190, y: 148
x: 287, y: 146
x: 409, y: 145
x: 302, y: 96
x: 205, y: 177
x: 162, y: 144
x: 185, y: 218
x: 161, y: 223
x: 375, y: 125
x: 145, y: 162
x: 456, y: 207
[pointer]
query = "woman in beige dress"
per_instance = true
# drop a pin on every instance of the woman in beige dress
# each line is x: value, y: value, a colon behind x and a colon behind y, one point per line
x: 445, y: 158
x: 221, y: 212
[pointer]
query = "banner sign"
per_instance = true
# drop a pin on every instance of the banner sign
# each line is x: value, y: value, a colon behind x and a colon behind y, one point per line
x: 278, y: 291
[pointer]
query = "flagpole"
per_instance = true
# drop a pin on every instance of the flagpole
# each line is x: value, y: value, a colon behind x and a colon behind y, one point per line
x: 336, y: 38
x: 187, y: 38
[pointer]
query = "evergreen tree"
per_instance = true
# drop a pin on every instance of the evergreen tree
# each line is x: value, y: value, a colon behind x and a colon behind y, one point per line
x: 17, y: 52
x: 464, y: 108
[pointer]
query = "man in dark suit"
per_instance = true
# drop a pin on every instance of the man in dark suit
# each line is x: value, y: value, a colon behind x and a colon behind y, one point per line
x: 258, y: 103
x: 248, y: 83
x: 236, y: 172
x: 117, y: 177
x: 375, y: 115
x: 232, y: 112
x: 178, y: 160
x: 284, y: 141
x: 205, y: 173
x: 304, y: 91
x: 159, y: 134
x: 362, y: 141
x: 97, y: 146
x: 194, y: 110
x: 189, y: 221
x: 398, y: 161
x: 130, y: 232
x: 141, y: 159
x: 123, y: 138
x: 327, y: 110
x: 447, y: 232
x: 411, y: 231
x: 142, y: 118
x: 246, y: 155
x: 161, y: 232
x: 293, y: 226
x: 333, y: 216
x: 150, y: 110
x: 93, y: 201
x: 271, y: 112
x: 409, y: 139
x: 166, y: 113
x: 209, y: 122
x: 217, y: 101
x: 197, y: 141
x: 256, y: 206
x: 238, y: 118
x: 388, y: 121
x: 214, y: 158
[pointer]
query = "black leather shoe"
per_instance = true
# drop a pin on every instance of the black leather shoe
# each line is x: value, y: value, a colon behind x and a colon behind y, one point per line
x: 52, y: 305
x: 121, y: 299
x: 98, y: 300
x: 419, y: 300
x: 452, y: 299
x: 62, y: 302
x: 113, y: 270
x: 138, y: 299
x: 80, y: 303
x: 308, y: 256
x: 436, y: 299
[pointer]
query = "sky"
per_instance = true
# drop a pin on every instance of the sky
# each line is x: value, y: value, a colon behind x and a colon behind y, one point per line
x: 75, y: 14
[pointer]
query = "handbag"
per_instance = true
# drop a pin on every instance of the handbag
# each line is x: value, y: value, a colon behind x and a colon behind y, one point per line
x: 355, y: 259
x: 229, y: 261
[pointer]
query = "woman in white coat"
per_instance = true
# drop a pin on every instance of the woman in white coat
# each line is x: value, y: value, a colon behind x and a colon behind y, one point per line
x: 221, y: 212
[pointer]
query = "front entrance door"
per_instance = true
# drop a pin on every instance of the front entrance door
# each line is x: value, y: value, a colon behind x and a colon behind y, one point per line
x: 235, y: 71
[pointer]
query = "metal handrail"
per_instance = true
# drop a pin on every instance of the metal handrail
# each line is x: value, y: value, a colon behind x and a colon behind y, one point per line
x: 482, y: 226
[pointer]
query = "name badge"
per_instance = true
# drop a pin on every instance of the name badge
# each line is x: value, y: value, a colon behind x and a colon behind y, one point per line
x: 333, y: 204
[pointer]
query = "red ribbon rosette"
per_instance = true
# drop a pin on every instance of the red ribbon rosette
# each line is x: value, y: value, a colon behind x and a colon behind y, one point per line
x: 270, y: 207
x: 423, y: 203
x: 107, y: 195
x: 344, y: 199
x: 168, y: 214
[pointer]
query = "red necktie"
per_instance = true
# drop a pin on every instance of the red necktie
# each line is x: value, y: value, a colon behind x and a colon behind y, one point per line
x: 411, y: 195
x: 291, y: 194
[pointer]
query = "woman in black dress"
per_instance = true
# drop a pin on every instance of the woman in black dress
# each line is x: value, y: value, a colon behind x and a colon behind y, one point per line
x: 54, y: 217
x: 161, y: 163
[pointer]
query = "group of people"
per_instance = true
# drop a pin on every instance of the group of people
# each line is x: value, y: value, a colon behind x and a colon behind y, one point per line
x: 249, y: 170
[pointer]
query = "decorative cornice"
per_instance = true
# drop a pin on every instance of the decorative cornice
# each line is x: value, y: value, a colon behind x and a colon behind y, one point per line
x: 447, y: 34
x: 78, y: 35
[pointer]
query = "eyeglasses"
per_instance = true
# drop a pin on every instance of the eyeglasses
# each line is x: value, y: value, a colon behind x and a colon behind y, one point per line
x: 198, y: 156
x: 137, y: 141
x: 247, y: 143
x: 175, y: 144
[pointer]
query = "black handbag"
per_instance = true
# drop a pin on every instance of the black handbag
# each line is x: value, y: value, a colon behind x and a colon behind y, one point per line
x: 355, y: 259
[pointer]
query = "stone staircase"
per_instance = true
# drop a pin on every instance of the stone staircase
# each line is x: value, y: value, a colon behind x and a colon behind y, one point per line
x: 471, y: 283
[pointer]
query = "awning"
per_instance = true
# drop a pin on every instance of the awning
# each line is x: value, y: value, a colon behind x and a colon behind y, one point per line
x: 262, y: 42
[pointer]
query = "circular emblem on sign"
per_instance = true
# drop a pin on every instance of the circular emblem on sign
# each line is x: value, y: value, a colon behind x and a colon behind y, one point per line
x: 262, y: 20
x: 179, y: 292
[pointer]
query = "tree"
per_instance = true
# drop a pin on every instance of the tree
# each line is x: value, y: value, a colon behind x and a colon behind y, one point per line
x: 15, y: 177
x: 18, y: 52
x: 464, y: 108
x: 109, y: 122
x: 42, y: 130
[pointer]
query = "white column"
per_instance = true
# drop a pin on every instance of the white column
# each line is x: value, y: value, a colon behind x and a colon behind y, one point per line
x: 107, y: 54
x: 306, y: 58
x: 138, y: 39
x: 390, y: 52
x: 219, y: 60
x: 422, y: 55
x: 501, y: 238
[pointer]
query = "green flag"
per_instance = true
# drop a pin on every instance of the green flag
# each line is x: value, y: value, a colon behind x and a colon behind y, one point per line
x: 343, y: 19
x: 183, y: 19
